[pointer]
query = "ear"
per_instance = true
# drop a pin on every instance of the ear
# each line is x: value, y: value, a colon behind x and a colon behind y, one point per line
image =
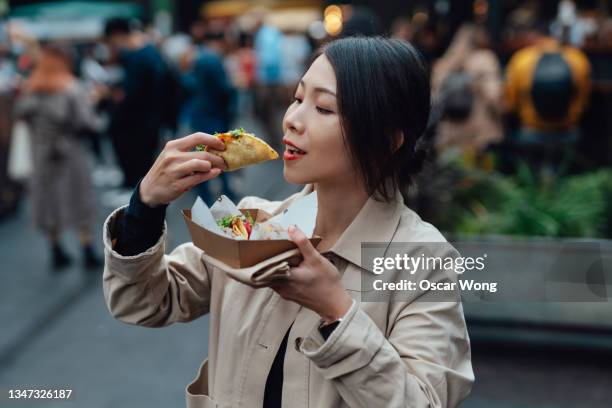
x: 399, y: 140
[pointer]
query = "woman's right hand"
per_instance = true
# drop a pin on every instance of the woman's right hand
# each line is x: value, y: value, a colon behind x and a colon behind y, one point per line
x: 178, y: 168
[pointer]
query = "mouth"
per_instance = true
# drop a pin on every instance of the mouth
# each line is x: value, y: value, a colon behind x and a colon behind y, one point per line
x: 292, y: 152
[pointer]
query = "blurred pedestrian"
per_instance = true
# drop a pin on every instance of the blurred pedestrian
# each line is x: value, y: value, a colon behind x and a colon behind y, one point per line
x: 295, y: 53
x: 59, y: 113
x: 137, y: 117
x: 269, y: 91
x: 468, y: 89
x: 214, y: 102
x: 547, y: 87
x: 214, y: 96
x: 241, y: 63
x: 9, y: 191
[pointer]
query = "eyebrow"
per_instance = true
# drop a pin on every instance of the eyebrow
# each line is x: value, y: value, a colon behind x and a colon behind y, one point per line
x: 319, y: 88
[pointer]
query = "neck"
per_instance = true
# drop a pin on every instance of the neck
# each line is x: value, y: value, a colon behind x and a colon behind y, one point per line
x: 338, y: 205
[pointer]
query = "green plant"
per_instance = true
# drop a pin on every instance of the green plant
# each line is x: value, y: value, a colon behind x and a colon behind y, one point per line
x: 526, y: 204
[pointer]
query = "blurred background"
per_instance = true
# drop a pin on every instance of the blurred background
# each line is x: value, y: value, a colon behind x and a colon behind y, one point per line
x: 521, y: 142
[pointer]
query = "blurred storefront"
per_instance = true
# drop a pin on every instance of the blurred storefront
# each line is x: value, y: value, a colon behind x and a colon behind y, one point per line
x: 72, y: 19
x: 286, y: 15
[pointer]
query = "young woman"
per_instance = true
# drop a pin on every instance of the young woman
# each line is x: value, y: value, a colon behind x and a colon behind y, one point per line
x: 307, y: 341
x: 57, y: 109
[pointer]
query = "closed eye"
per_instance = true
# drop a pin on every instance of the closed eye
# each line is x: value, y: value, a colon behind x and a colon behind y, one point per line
x: 296, y: 99
x: 323, y: 111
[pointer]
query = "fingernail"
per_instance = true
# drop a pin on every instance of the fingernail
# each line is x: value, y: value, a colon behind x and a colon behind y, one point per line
x: 291, y: 228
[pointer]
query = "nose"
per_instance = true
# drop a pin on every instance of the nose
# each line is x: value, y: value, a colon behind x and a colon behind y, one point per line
x: 293, y: 120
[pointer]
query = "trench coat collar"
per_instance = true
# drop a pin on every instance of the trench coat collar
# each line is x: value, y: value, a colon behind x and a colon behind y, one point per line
x: 376, y: 222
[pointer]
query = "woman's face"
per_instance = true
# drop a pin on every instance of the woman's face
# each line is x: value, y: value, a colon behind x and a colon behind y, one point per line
x: 312, y: 125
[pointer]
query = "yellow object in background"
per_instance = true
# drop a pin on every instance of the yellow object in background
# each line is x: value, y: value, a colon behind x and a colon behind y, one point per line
x: 519, y: 84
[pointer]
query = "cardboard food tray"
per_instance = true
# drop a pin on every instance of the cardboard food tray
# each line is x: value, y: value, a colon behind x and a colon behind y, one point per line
x: 238, y: 253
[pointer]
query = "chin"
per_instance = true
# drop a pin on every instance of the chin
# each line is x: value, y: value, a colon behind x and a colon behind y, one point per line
x: 293, y: 176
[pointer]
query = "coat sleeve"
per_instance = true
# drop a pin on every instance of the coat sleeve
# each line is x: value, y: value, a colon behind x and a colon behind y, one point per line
x: 424, y: 361
x: 153, y: 289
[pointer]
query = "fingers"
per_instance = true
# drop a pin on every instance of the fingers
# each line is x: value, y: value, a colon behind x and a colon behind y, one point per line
x: 216, y: 161
x: 302, y: 242
x: 187, y: 183
x: 192, y: 166
x: 275, y: 284
x: 188, y: 143
x: 281, y: 286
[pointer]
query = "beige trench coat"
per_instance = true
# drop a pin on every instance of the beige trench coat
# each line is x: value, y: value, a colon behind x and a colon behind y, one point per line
x: 410, y: 354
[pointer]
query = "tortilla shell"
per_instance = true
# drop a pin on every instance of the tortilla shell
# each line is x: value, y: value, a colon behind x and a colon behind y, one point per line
x: 244, y: 151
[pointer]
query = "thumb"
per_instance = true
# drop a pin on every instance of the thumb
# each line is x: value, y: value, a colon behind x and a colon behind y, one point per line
x: 302, y: 242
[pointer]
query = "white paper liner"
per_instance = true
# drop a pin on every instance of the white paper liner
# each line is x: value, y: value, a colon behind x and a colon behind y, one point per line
x: 302, y: 213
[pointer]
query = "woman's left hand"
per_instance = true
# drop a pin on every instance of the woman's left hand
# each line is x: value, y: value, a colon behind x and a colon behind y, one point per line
x: 314, y: 283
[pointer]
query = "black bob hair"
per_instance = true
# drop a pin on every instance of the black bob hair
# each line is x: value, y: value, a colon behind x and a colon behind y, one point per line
x: 383, y: 92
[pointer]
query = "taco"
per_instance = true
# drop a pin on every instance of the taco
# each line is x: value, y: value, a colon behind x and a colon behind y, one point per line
x: 239, y: 225
x: 241, y: 149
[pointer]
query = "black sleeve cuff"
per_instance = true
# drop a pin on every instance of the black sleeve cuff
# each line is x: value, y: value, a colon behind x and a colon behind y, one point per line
x: 138, y: 209
x: 140, y: 227
x: 327, y: 330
